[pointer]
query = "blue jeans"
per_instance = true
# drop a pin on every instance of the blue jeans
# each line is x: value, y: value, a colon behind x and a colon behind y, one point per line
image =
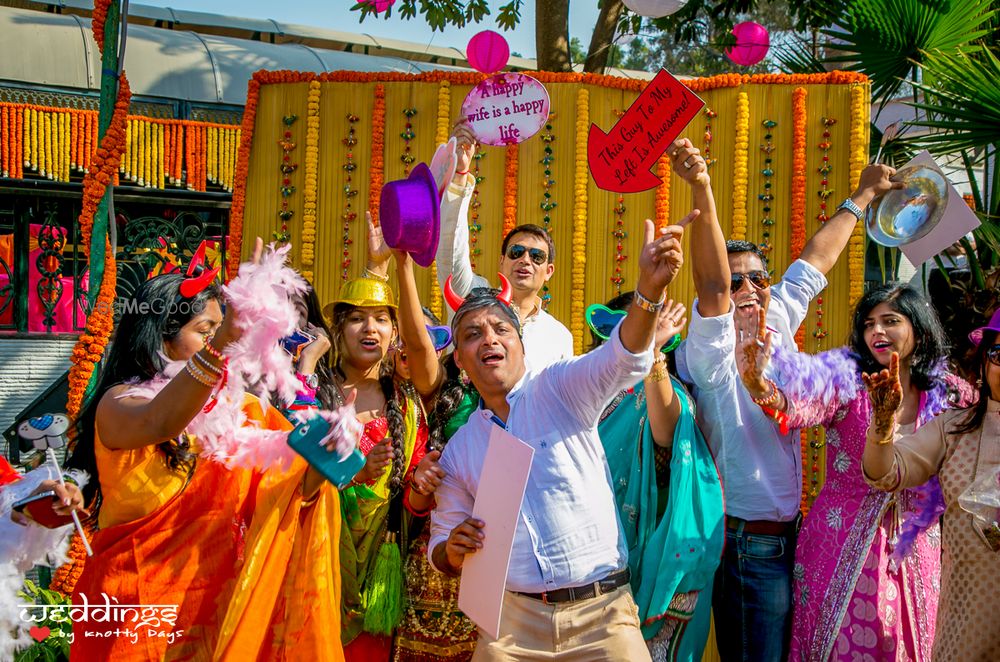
x: 752, y: 596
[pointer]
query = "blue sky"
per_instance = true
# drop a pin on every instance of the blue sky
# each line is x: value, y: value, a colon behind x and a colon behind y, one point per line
x: 336, y: 14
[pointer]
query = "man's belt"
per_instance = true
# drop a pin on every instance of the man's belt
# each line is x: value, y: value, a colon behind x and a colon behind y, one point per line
x: 574, y: 593
x: 762, y: 527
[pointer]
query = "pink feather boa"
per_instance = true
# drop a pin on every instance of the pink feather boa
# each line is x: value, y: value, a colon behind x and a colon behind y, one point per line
x: 261, y: 296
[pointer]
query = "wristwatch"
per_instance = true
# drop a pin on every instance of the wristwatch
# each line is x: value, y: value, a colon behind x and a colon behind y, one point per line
x: 849, y: 205
x: 312, y: 381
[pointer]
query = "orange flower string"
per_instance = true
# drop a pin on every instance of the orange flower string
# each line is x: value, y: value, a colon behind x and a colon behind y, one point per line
x: 662, y: 204
x: 242, y: 168
x: 581, y: 182
x: 375, y: 172
x: 90, y: 346
x: 510, y: 189
x: 797, y: 240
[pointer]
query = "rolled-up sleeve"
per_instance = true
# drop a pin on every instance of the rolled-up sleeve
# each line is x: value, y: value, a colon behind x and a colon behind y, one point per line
x: 586, y: 383
x: 800, y: 284
x: 709, y: 359
x: 454, y: 502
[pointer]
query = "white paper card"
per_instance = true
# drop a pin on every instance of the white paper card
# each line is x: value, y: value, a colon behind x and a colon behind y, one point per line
x: 957, y: 221
x: 498, y: 503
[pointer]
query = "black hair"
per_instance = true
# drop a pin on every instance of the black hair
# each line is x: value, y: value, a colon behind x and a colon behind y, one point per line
x: 155, y: 314
x: 977, y: 412
x: 452, y: 392
x: 326, y: 390
x: 740, y: 246
x: 429, y: 314
x: 535, y: 231
x: 930, y: 343
x: 392, y: 395
x: 484, y: 297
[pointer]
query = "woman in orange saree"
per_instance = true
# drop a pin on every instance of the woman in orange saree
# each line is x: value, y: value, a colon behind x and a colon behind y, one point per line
x: 194, y: 559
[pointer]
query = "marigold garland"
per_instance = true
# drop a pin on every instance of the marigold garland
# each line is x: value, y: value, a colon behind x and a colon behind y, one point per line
x: 375, y: 172
x: 741, y: 173
x: 797, y: 239
x: 90, y: 346
x: 581, y: 182
x: 98, y: 17
x: 510, y: 189
x: 858, y: 150
x: 310, y: 188
x: 662, y: 202
x: 440, y: 137
x: 238, y: 205
x: 66, y: 576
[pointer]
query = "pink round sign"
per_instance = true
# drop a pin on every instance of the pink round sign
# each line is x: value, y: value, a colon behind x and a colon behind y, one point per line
x: 506, y: 108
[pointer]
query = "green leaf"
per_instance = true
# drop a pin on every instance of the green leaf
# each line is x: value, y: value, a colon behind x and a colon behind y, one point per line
x: 887, y: 39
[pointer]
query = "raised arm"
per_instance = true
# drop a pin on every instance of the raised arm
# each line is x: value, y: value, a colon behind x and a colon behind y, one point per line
x: 453, y: 257
x: 662, y: 403
x: 828, y: 243
x: 709, y: 263
x: 131, y: 422
x: 426, y: 371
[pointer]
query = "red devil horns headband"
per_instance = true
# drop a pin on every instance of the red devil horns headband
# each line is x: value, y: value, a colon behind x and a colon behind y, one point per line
x: 455, y: 302
x: 197, y: 277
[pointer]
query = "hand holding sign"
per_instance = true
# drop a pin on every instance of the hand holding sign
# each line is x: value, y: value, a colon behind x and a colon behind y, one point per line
x: 620, y: 159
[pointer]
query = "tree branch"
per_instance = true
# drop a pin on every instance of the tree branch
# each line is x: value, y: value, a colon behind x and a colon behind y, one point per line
x: 604, y: 34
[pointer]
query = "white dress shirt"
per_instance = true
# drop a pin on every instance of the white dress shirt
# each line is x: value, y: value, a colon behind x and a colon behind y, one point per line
x: 546, y: 339
x: 760, y: 468
x: 568, y: 532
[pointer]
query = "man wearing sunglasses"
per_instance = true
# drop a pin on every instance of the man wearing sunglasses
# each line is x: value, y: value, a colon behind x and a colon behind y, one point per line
x: 527, y: 259
x: 760, y: 467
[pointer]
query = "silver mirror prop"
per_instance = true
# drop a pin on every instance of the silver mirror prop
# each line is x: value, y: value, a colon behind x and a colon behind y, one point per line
x: 901, y: 216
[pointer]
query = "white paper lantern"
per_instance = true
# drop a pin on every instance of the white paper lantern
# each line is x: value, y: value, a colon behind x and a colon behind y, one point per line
x: 655, y: 8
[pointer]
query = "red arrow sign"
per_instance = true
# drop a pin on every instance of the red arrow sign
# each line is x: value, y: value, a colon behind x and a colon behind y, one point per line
x: 620, y: 159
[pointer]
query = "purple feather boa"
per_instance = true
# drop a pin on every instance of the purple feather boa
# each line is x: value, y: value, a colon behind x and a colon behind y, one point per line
x: 835, y: 374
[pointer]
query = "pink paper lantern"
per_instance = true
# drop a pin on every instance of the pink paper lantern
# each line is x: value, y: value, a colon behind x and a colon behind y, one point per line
x: 487, y: 52
x: 752, y: 43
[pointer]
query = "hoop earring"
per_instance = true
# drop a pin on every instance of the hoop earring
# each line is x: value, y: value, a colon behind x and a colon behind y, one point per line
x: 463, y: 377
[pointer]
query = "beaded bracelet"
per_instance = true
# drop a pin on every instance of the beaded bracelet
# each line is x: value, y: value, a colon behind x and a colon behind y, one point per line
x: 646, y: 304
x: 198, y: 375
x: 213, y: 352
x: 207, y: 365
x: 772, y: 396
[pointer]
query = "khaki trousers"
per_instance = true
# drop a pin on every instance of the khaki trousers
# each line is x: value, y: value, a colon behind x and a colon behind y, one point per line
x: 604, y: 628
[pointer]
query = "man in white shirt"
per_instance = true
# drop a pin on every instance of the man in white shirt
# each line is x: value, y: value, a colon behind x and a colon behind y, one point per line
x: 527, y: 259
x: 760, y: 468
x: 568, y: 595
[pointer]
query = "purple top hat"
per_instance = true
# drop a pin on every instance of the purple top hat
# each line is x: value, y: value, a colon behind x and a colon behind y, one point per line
x: 977, y: 336
x: 410, y: 215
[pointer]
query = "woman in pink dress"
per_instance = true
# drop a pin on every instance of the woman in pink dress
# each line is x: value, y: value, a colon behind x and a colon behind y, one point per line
x: 867, y: 564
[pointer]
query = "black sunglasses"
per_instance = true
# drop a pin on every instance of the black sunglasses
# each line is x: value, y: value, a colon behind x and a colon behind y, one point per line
x: 759, y: 279
x: 993, y: 354
x: 538, y: 256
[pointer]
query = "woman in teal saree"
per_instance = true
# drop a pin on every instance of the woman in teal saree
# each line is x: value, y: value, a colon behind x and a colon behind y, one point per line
x: 672, y: 516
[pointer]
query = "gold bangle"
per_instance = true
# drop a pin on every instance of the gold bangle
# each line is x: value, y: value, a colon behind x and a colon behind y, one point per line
x: 207, y: 365
x: 198, y: 375
x: 885, y: 440
x: 658, y: 372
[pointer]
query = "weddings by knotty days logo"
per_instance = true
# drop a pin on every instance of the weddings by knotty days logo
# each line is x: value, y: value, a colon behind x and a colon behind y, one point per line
x: 107, y: 620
